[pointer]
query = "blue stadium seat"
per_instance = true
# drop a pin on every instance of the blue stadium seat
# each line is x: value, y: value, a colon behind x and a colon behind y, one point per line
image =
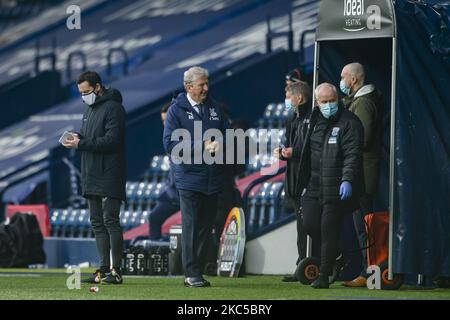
x: 140, y: 196
x: 55, y: 222
x: 256, y: 208
x: 158, y: 170
x: 125, y: 218
x: 275, y: 116
x: 264, y: 196
x: 72, y: 224
x: 85, y: 229
x: 148, y: 196
x: 275, y: 202
x: 131, y: 191
x: 251, y: 217
x: 144, y: 216
x: 65, y: 214
x: 135, y: 219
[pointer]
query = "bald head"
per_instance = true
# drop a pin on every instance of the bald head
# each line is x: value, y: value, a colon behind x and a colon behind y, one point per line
x: 353, y: 76
x: 326, y: 92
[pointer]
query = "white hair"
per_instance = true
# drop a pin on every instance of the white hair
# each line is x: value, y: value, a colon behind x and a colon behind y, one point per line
x: 194, y: 73
x: 325, y: 85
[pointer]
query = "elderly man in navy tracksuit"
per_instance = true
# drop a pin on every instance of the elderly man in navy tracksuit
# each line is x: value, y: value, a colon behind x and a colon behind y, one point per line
x: 197, y: 179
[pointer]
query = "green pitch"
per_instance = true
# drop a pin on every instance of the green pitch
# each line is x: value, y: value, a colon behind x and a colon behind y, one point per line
x: 20, y: 284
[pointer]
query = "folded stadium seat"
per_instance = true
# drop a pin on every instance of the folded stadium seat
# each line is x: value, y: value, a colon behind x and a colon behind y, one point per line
x: 275, y: 201
x: 159, y: 168
x: 155, y: 164
x: 135, y: 219
x: 279, y: 116
x: 65, y: 214
x: 154, y: 195
x: 259, y: 162
x: 253, y: 209
x: 71, y: 224
x: 144, y: 217
x: 83, y: 223
x: 148, y: 196
x: 157, y: 192
x: 125, y: 217
x: 131, y: 190
x: 251, y: 217
x: 165, y: 166
x: 264, y: 203
x: 55, y: 222
x: 133, y: 199
x: 267, y: 121
x: 263, y: 157
x: 140, y: 197
x: 269, y: 110
x: 283, y: 211
x: 253, y: 165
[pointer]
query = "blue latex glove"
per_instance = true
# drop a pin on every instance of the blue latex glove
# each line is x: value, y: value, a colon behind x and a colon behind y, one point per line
x: 345, y: 191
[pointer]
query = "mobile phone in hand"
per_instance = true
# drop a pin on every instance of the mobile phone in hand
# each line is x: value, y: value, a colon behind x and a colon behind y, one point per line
x: 65, y: 137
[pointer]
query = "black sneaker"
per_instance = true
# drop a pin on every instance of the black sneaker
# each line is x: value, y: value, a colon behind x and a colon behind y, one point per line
x: 321, y: 283
x: 337, y: 268
x: 113, y: 277
x: 96, y: 277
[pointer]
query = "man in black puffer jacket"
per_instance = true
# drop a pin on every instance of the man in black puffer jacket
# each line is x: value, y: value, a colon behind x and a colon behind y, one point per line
x: 103, y: 170
x: 330, y: 174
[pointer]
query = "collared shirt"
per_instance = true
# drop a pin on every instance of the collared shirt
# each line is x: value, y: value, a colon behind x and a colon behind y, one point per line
x: 193, y: 103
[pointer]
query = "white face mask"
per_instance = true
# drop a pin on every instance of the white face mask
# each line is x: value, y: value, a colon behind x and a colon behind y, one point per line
x: 89, y: 99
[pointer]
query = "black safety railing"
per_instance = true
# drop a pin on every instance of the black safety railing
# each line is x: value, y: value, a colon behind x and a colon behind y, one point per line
x: 79, y: 54
x: 47, y: 56
x: 302, y: 53
x: 109, y: 66
x: 271, y: 35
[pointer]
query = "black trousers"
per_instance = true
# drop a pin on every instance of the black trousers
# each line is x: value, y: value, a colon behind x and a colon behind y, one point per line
x: 198, y: 214
x: 104, y: 217
x: 323, y: 223
x: 301, y: 236
x: 366, y: 203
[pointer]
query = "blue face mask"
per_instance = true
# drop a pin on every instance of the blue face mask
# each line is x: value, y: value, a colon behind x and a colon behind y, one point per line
x: 328, y: 109
x: 288, y: 105
x: 345, y: 90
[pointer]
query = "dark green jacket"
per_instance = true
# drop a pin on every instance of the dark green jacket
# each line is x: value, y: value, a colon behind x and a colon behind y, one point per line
x: 366, y: 104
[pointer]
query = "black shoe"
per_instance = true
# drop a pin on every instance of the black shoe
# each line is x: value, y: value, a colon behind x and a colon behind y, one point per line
x: 196, y: 282
x: 321, y: 283
x: 291, y: 278
x: 113, y: 277
x: 96, y: 277
x: 337, y: 269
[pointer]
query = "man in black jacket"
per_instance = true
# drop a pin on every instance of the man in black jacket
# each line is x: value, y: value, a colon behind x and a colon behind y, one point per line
x: 331, y: 172
x: 298, y: 97
x: 103, y: 170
